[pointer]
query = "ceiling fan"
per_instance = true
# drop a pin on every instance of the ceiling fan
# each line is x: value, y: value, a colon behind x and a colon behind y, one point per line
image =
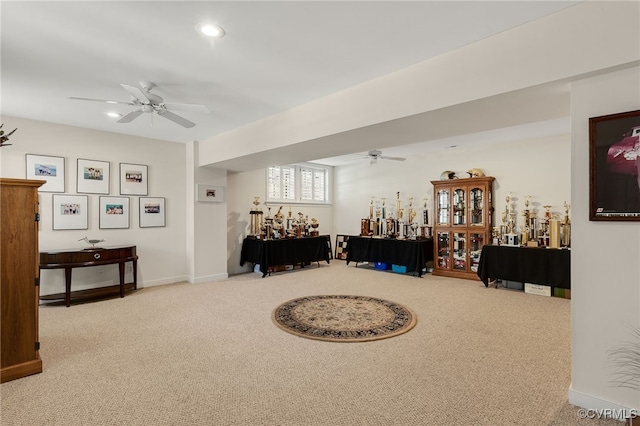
x: 374, y: 155
x: 148, y: 102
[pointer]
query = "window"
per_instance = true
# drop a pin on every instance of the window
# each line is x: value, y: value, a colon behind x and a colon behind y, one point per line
x: 301, y: 183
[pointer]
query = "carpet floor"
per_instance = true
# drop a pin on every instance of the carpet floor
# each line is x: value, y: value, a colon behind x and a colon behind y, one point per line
x: 210, y: 354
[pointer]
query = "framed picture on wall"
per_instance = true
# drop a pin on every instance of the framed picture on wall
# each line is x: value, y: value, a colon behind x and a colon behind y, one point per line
x: 48, y: 168
x: 133, y: 179
x: 70, y: 212
x: 114, y: 212
x: 614, y: 169
x: 209, y: 193
x: 93, y: 176
x: 152, y: 212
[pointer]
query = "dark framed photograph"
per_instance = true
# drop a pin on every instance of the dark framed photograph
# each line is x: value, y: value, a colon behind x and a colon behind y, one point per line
x: 114, y: 212
x: 70, y: 212
x: 93, y: 176
x: 152, y: 212
x: 133, y: 179
x: 48, y: 168
x: 614, y: 155
x: 210, y: 193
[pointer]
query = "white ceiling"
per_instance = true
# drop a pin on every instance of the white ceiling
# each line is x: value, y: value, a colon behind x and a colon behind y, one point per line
x: 275, y: 55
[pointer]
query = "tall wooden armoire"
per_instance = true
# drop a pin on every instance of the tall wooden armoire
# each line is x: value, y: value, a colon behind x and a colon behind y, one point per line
x: 19, y: 353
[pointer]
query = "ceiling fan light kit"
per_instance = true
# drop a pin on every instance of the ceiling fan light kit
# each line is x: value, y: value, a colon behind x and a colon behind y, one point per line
x: 374, y: 155
x: 212, y: 30
x: 148, y: 102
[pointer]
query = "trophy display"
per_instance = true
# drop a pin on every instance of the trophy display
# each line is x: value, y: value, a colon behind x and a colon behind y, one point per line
x: 425, y: 229
x: 256, y: 218
x: 566, y: 227
x: 554, y: 232
x: 509, y: 216
x: 400, y: 223
x: 278, y: 226
x: 543, y: 232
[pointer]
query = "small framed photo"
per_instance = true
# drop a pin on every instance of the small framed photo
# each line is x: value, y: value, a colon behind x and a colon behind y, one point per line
x: 210, y: 193
x: 114, y: 212
x: 93, y: 176
x: 70, y: 212
x: 152, y: 212
x: 614, y: 169
x: 133, y: 179
x: 50, y: 169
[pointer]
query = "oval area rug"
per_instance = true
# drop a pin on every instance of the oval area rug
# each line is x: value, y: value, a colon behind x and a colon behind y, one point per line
x: 344, y: 318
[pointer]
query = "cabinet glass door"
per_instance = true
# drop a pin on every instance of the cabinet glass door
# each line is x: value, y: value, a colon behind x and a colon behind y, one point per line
x: 458, y: 207
x: 443, y: 250
x: 475, y: 206
x: 476, y: 241
x: 443, y: 208
x: 459, y: 251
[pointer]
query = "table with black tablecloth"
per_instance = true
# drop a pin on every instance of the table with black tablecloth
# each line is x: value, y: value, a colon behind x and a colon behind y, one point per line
x: 535, y: 265
x: 288, y: 251
x: 413, y: 254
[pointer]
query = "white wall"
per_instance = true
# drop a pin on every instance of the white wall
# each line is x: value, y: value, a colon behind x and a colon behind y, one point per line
x: 160, y: 250
x: 242, y: 188
x: 206, y: 235
x: 536, y: 167
x: 605, y: 270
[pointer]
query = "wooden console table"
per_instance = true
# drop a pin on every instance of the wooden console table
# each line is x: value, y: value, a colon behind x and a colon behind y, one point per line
x: 69, y: 259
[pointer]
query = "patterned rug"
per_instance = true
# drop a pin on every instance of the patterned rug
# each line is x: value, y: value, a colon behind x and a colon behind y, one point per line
x: 343, y: 318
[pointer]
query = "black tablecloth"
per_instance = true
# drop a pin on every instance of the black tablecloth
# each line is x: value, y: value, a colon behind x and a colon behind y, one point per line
x: 536, y: 265
x: 413, y: 254
x: 290, y: 251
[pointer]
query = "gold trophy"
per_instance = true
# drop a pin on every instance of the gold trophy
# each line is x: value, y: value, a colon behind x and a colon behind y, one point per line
x: 256, y: 218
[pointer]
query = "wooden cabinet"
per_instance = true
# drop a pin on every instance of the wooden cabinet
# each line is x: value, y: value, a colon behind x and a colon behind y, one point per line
x: 19, y: 353
x: 462, y: 225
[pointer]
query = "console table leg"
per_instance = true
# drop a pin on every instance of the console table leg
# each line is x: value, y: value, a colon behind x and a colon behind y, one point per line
x: 135, y: 274
x: 121, y: 270
x: 67, y: 284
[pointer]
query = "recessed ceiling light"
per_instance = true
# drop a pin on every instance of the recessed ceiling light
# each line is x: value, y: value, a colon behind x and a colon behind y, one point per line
x: 114, y: 114
x: 212, y: 30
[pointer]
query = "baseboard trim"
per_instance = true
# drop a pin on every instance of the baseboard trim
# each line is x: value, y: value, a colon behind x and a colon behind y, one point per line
x: 591, y: 402
x: 208, y: 278
x: 163, y: 281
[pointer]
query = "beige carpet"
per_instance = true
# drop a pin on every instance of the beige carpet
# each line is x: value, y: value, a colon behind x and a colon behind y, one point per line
x: 209, y: 354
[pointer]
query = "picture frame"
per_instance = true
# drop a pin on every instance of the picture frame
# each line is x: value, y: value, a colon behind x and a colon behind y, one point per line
x: 93, y: 176
x: 152, y: 212
x: 114, y: 212
x: 614, y: 167
x: 48, y: 168
x: 133, y: 179
x: 70, y: 212
x: 209, y: 193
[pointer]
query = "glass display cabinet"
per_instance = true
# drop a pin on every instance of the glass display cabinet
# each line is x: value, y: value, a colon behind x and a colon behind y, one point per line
x: 464, y: 221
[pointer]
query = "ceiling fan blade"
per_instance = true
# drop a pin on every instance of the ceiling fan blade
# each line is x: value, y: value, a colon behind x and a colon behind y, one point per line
x: 75, y: 98
x: 175, y: 118
x: 131, y: 116
x: 203, y: 109
x: 136, y: 93
x: 384, y: 157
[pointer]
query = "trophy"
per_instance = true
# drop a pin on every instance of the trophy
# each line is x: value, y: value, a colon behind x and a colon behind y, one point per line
x: 543, y: 232
x: 510, y: 229
x: 256, y: 218
x: 566, y: 227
